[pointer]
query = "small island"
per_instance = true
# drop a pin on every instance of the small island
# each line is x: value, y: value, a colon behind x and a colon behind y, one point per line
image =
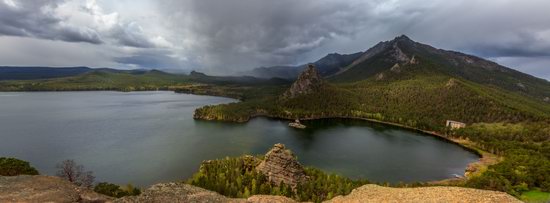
x: 297, y: 124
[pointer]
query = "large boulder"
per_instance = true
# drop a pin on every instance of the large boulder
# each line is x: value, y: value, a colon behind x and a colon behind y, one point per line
x: 27, y: 188
x: 280, y: 165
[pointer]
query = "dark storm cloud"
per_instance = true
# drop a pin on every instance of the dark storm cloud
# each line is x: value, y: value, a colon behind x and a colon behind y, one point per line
x: 36, y: 19
x: 245, y: 33
x: 240, y: 34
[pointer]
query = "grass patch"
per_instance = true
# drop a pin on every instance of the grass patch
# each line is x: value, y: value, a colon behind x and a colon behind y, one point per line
x: 535, y: 196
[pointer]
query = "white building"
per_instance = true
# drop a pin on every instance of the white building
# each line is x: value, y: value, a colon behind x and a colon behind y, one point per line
x: 455, y: 124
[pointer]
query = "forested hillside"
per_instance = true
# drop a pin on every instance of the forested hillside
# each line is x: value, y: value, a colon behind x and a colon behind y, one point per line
x: 34, y: 73
x: 133, y: 80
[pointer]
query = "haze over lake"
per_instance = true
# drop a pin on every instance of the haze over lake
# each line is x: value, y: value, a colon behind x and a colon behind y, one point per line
x: 149, y: 137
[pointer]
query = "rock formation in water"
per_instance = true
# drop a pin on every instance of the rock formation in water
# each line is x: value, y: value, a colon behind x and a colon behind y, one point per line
x: 280, y: 165
x: 309, y: 81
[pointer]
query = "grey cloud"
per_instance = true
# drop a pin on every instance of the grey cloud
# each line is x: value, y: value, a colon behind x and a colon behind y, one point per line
x: 235, y: 35
x: 522, y: 45
x: 488, y: 28
x: 129, y: 35
x: 538, y: 66
x: 35, y: 19
x: 151, y: 59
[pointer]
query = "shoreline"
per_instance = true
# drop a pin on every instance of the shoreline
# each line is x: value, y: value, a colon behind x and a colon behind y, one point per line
x: 485, y: 158
x: 176, y: 91
x: 472, y: 169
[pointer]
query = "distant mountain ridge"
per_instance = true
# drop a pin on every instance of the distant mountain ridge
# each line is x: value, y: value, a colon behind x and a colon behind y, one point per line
x: 402, y: 56
x: 33, y: 72
x: 39, y: 72
x: 328, y: 65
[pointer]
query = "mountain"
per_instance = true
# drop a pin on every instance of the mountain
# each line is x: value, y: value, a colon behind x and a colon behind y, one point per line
x: 403, y: 56
x: 125, y: 80
x: 33, y: 73
x: 328, y: 65
x: 240, y: 80
x: 37, y: 73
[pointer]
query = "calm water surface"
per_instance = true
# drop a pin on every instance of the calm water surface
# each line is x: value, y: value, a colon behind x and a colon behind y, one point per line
x: 148, y: 137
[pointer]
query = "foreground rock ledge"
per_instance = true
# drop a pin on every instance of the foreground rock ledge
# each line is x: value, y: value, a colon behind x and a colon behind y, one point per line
x: 53, y: 189
x: 180, y: 192
x: 376, y: 193
x: 45, y: 189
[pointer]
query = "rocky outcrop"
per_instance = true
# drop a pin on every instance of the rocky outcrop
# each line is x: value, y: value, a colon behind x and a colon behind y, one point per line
x: 53, y: 189
x: 175, y: 192
x: 269, y: 199
x: 180, y: 192
x: 375, y: 194
x: 396, y: 68
x: 451, y: 83
x: 309, y: 81
x: 280, y: 165
x: 45, y: 189
x: 396, y: 54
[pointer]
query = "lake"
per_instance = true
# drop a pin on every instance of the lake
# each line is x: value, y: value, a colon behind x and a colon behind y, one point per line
x: 149, y: 137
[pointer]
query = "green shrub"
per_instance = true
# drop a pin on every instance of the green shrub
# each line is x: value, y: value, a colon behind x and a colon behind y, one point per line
x: 15, y: 167
x: 113, y: 190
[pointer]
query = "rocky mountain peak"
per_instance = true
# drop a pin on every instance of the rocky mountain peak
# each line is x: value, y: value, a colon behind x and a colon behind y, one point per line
x: 402, y: 41
x: 402, y: 38
x: 309, y: 81
x: 280, y: 165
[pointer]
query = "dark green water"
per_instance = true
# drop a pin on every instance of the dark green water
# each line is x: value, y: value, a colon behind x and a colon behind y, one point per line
x: 149, y: 137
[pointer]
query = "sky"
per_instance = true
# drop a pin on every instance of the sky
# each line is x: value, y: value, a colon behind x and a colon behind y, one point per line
x: 230, y: 36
